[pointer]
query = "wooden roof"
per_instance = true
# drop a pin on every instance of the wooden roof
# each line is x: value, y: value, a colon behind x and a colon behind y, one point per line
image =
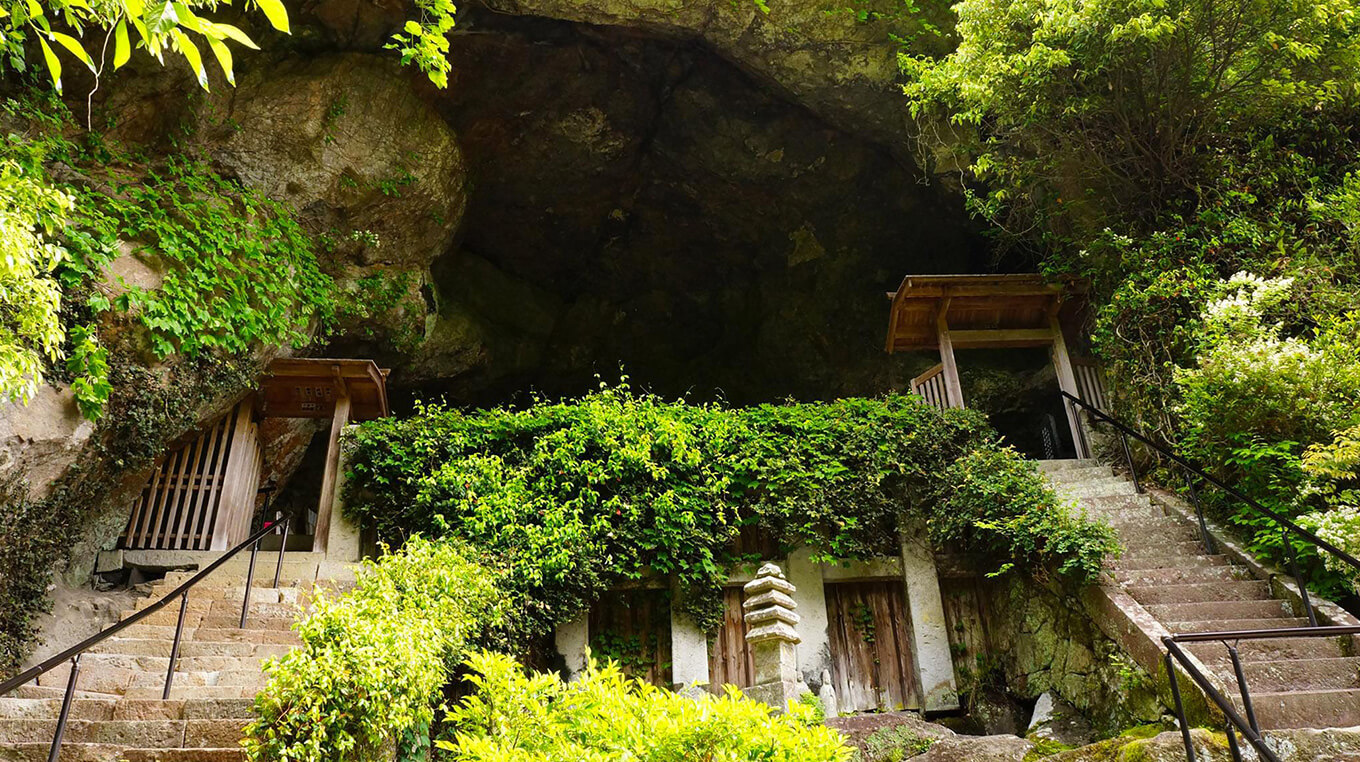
x: 980, y: 310
x: 307, y: 388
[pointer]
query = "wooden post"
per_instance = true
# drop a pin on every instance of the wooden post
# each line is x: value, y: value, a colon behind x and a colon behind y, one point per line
x: 332, y: 473
x: 953, y: 389
x: 1067, y: 381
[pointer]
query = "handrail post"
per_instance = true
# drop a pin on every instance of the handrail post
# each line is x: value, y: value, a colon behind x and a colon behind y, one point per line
x: 1199, y: 513
x: 283, y: 547
x: 174, y: 647
x: 1232, y: 743
x: 250, y: 576
x: 1242, y: 687
x: 1298, y: 578
x: 55, y: 750
x: 1128, y: 456
x: 1180, y: 708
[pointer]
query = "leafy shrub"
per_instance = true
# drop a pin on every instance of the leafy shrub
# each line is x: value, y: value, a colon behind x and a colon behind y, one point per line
x: 603, y: 715
x: 1256, y: 399
x: 1000, y: 505
x: 372, y: 662
x: 574, y: 498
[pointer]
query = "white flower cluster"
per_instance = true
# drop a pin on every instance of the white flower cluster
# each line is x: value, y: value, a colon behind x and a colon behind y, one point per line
x: 1340, y: 527
x: 1246, y: 297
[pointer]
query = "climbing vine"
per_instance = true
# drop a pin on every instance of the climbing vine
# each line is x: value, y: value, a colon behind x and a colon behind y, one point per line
x: 577, y: 497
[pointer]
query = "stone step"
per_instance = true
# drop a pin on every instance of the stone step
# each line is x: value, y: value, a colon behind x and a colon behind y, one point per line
x: 128, y: 709
x: 1228, y: 625
x: 1341, y: 673
x: 1095, y: 488
x: 34, y: 691
x: 223, y: 618
x: 1218, y: 610
x: 1308, y: 709
x: 1156, y: 533
x: 178, y: 691
x: 1079, y: 474
x: 1181, y: 575
x: 1121, y: 503
x: 1062, y: 464
x: 1183, y: 548
x: 161, y: 647
x: 153, y: 734
x: 203, y: 599
x: 1278, y: 649
x: 1147, y: 562
x: 76, y: 752
x: 235, y: 677
x: 210, y: 634
x: 1241, y: 590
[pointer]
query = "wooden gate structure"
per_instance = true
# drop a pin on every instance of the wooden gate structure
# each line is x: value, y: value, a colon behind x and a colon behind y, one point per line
x: 872, y: 667
x: 202, y: 494
x: 948, y: 312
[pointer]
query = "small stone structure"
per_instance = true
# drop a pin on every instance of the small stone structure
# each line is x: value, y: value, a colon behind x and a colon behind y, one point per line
x: 773, y: 640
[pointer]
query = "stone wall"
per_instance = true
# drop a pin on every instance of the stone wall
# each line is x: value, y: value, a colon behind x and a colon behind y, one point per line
x: 1027, y: 637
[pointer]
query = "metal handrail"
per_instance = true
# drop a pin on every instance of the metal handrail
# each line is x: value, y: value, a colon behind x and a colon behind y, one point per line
x: 1248, y: 726
x: 1284, y: 523
x: 74, y: 653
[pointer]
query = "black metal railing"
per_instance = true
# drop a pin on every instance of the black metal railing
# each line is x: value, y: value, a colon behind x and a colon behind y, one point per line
x: 1247, y: 726
x: 74, y: 653
x: 1192, y: 472
x: 1235, y: 722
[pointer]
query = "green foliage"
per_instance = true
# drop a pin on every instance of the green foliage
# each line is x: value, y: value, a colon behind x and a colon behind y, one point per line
x: 893, y: 744
x: 998, y: 505
x: 1088, y: 111
x: 574, y: 498
x: 26, y: 552
x: 603, y: 715
x: 159, y: 27
x: 237, y: 271
x: 1160, y: 150
x: 425, y: 43
x: 372, y: 662
x: 31, y: 335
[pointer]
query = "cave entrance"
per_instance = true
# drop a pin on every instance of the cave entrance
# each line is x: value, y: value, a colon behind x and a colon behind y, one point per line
x: 994, y: 312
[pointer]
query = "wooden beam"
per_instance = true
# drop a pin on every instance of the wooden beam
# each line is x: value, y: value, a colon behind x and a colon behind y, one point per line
x: 1067, y: 381
x: 330, y: 478
x: 953, y: 389
x: 1002, y: 337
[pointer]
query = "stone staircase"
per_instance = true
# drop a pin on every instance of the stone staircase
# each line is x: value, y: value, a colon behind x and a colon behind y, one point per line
x: 118, y: 713
x: 1293, y: 682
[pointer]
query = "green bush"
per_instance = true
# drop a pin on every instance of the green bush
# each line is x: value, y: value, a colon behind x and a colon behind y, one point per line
x: 373, y: 662
x: 574, y: 498
x: 604, y: 716
x: 1000, y: 506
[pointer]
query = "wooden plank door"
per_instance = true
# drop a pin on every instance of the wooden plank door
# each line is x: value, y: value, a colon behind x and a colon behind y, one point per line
x: 633, y: 627
x: 729, y: 658
x: 871, y: 661
x: 965, y: 618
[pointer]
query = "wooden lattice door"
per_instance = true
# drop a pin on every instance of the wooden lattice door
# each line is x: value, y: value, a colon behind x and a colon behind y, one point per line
x: 201, y: 496
x: 871, y: 660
